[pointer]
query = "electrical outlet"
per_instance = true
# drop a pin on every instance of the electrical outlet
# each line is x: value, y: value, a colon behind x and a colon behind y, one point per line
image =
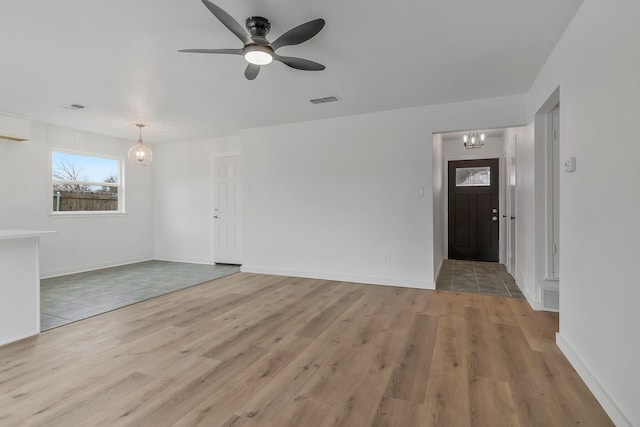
x: 387, y: 258
x: 74, y: 250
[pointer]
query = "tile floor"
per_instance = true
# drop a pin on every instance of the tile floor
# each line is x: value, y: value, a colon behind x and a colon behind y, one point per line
x: 73, y: 297
x: 487, y: 278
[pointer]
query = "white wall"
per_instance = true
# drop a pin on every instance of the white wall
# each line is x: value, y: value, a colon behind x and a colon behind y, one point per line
x: 493, y: 148
x: 329, y: 198
x: 597, y: 66
x: 183, y: 198
x: 99, y: 240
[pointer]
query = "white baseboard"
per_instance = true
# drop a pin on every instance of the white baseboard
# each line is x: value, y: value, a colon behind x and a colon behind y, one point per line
x: 82, y: 269
x: 437, y: 272
x: 608, y: 404
x: 187, y: 260
x: 20, y: 337
x: 534, y: 303
x: 522, y: 281
x: 384, y: 281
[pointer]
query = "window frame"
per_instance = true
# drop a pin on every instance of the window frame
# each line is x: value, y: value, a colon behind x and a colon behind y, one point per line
x: 120, y: 185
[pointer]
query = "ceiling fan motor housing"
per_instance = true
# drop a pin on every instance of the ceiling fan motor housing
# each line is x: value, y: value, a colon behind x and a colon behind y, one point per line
x: 258, y: 26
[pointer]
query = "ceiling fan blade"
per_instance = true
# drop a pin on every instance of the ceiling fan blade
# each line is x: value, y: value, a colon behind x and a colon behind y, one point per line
x: 228, y: 51
x: 299, y: 34
x: 251, y: 72
x: 228, y: 21
x: 299, y: 63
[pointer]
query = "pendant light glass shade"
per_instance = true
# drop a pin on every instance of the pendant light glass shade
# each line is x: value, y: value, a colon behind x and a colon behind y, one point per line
x: 473, y: 139
x: 140, y: 153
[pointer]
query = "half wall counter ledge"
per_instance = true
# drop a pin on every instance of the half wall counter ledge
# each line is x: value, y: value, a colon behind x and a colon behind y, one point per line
x: 20, y: 284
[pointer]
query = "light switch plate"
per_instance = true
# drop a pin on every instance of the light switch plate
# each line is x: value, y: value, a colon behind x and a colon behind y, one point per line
x: 570, y: 165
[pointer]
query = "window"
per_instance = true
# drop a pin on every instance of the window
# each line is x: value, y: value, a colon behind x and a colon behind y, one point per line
x: 84, y: 183
x: 473, y: 177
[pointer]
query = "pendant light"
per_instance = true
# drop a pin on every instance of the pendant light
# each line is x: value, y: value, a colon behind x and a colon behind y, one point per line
x: 473, y: 139
x: 140, y: 153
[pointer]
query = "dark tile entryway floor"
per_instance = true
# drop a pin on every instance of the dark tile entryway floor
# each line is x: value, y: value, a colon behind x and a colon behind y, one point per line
x: 73, y: 297
x: 487, y: 278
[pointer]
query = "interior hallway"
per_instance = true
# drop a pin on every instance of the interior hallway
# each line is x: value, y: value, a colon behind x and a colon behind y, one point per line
x: 488, y: 278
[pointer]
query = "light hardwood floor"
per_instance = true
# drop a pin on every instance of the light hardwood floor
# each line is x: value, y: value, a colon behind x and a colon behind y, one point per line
x: 254, y: 350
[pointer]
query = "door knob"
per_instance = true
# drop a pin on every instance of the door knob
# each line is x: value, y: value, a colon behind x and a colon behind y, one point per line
x: 504, y: 216
x: 513, y: 217
x: 215, y: 217
x: 494, y: 218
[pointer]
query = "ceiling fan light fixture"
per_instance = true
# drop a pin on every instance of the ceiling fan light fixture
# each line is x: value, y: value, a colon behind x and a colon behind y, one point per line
x: 258, y: 55
x: 257, y: 49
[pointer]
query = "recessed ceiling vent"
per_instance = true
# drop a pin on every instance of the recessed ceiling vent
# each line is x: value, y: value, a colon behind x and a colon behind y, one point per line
x: 324, y: 100
x: 73, y: 106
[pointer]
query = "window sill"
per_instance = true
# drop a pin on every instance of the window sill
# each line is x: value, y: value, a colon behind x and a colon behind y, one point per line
x: 66, y: 214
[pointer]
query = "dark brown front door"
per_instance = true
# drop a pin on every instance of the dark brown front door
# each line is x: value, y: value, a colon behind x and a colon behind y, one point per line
x: 473, y: 210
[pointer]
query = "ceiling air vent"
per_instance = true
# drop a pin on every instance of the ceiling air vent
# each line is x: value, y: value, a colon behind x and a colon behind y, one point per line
x: 73, y: 106
x: 324, y: 100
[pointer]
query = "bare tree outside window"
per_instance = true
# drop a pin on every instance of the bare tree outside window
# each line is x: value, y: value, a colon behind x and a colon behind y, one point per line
x: 108, y: 188
x: 68, y: 172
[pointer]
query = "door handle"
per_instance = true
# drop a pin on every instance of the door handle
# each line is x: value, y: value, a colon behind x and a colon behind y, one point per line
x: 494, y: 218
x: 215, y: 217
x: 504, y: 216
x: 513, y: 217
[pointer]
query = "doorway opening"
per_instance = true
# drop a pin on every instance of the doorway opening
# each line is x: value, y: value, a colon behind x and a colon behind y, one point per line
x: 548, y: 148
x: 553, y: 195
x: 509, y: 206
x: 474, y: 225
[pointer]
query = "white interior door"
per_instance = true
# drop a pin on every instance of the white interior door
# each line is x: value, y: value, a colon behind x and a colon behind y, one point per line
x: 555, y: 177
x: 504, y: 220
x: 511, y: 205
x: 227, y: 210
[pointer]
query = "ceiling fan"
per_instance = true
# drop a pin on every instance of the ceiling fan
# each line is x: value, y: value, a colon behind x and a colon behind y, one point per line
x: 257, y: 49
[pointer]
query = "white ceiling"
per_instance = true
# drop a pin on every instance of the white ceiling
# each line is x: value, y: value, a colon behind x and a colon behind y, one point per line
x: 119, y: 58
